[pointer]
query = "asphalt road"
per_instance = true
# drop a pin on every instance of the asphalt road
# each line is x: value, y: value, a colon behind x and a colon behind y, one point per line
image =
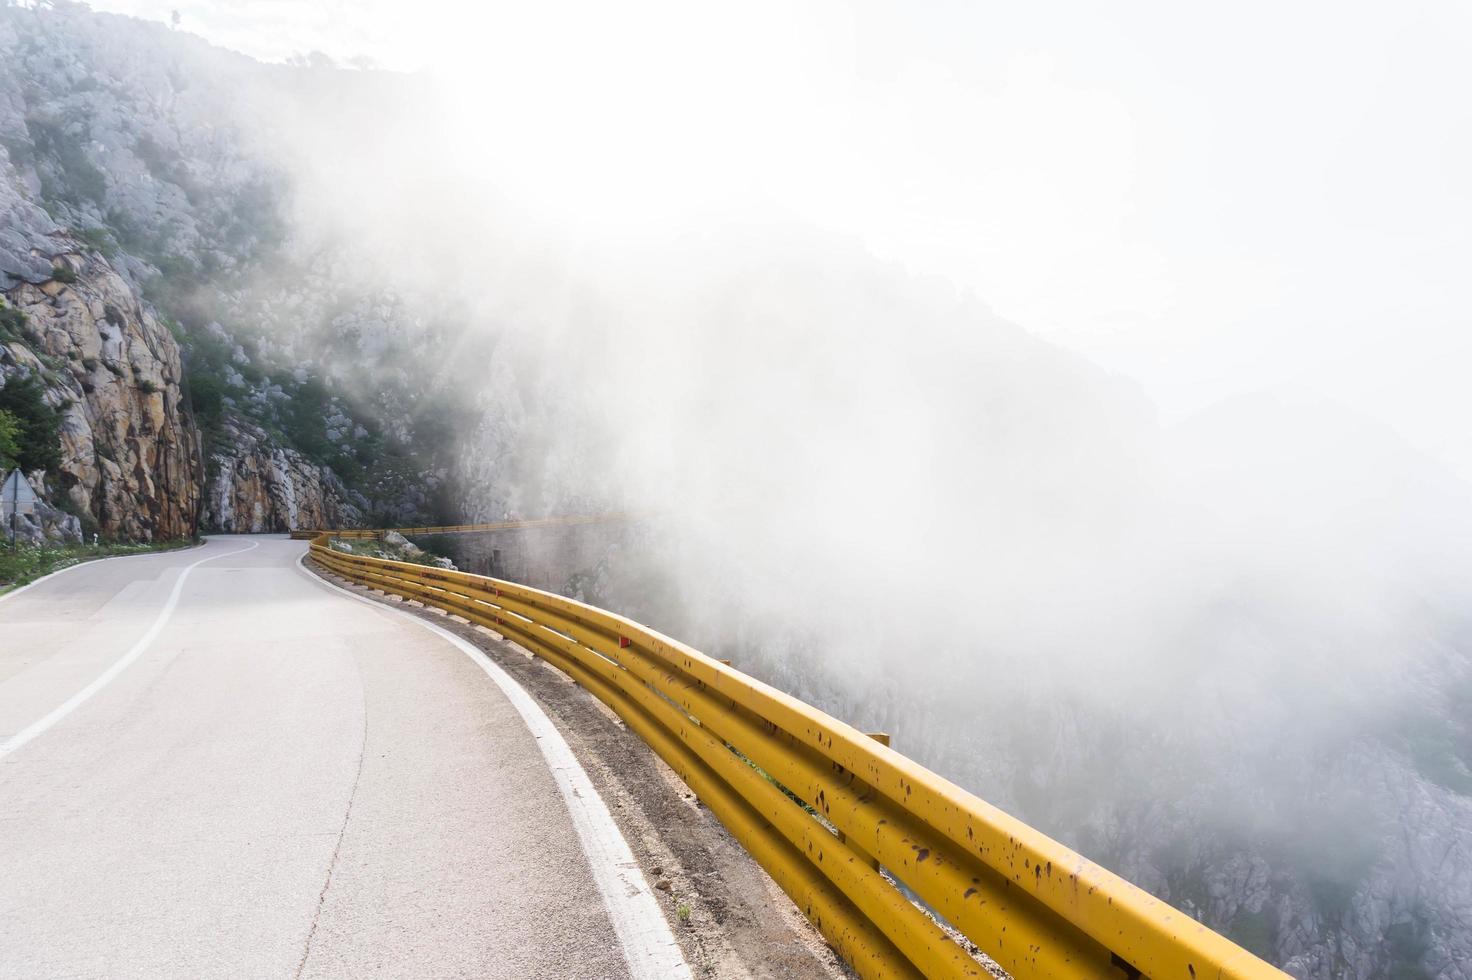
x: 268, y: 779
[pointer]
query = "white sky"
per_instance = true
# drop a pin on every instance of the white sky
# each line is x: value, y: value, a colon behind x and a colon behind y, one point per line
x: 1211, y: 200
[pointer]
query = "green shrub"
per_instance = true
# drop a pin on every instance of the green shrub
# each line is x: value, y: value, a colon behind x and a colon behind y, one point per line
x: 62, y: 272
x: 30, y: 562
x: 206, y: 397
x: 100, y: 240
x: 9, y: 442
x: 12, y: 323
x: 147, y: 387
x: 38, y: 446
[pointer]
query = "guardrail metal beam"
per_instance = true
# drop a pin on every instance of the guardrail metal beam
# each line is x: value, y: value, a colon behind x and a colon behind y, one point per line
x: 835, y: 815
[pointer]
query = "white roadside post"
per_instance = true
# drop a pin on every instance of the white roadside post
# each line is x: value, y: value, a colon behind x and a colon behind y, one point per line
x: 18, y: 498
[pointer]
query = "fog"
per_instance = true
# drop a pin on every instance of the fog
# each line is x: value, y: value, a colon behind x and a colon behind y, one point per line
x: 1046, y: 390
x: 625, y: 206
x: 1209, y: 202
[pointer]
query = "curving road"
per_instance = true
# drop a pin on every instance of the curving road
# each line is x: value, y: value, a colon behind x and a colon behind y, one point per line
x: 214, y: 765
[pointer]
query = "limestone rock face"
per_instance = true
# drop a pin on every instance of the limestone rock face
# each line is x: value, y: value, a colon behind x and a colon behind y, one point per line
x: 130, y: 453
x: 257, y: 485
x: 174, y: 160
x: 48, y: 525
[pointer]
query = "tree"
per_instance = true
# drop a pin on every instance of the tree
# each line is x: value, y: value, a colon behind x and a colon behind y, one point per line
x: 206, y: 397
x: 9, y: 442
x: 38, y: 444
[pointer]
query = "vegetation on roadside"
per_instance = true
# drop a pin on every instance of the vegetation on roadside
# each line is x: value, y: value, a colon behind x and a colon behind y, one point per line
x: 27, y: 563
x: 392, y: 550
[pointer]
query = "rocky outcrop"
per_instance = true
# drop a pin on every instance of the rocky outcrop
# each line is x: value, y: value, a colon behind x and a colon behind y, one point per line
x: 165, y: 155
x: 257, y: 485
x: 47, y: 525
x: 394, y: 547
x: 130, y: 454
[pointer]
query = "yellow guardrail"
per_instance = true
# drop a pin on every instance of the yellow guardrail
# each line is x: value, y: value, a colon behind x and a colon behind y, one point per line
x: 869, y: 816
x: 307, y: 535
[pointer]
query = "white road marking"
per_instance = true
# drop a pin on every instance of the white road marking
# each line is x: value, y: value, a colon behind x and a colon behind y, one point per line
x: 82, y: 564
x: 649, y: 946
x: 41, y: 725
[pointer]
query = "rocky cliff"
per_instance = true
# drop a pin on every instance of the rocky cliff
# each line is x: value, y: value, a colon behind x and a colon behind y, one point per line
x: 134, y: 213
x: 131, y: 464
x: 257, y: 485
x: 165, y: 156
x: 130, y: 455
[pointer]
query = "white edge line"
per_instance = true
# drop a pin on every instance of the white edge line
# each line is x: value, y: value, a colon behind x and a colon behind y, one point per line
x: 95, y: 561
x: 648, y: 944
x: 41, y: 725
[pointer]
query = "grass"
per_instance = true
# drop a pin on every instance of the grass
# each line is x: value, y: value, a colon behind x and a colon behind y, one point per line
x: 29, y: 562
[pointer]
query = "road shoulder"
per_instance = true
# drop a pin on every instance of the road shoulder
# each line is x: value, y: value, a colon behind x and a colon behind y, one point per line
x: 730, y: 918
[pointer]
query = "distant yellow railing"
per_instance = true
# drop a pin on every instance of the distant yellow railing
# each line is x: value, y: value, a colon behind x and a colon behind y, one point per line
x: 871, y: 815
x: 357, y: 533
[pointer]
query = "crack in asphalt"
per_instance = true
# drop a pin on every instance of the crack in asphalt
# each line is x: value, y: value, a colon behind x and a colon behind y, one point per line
x: 341, y: 833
